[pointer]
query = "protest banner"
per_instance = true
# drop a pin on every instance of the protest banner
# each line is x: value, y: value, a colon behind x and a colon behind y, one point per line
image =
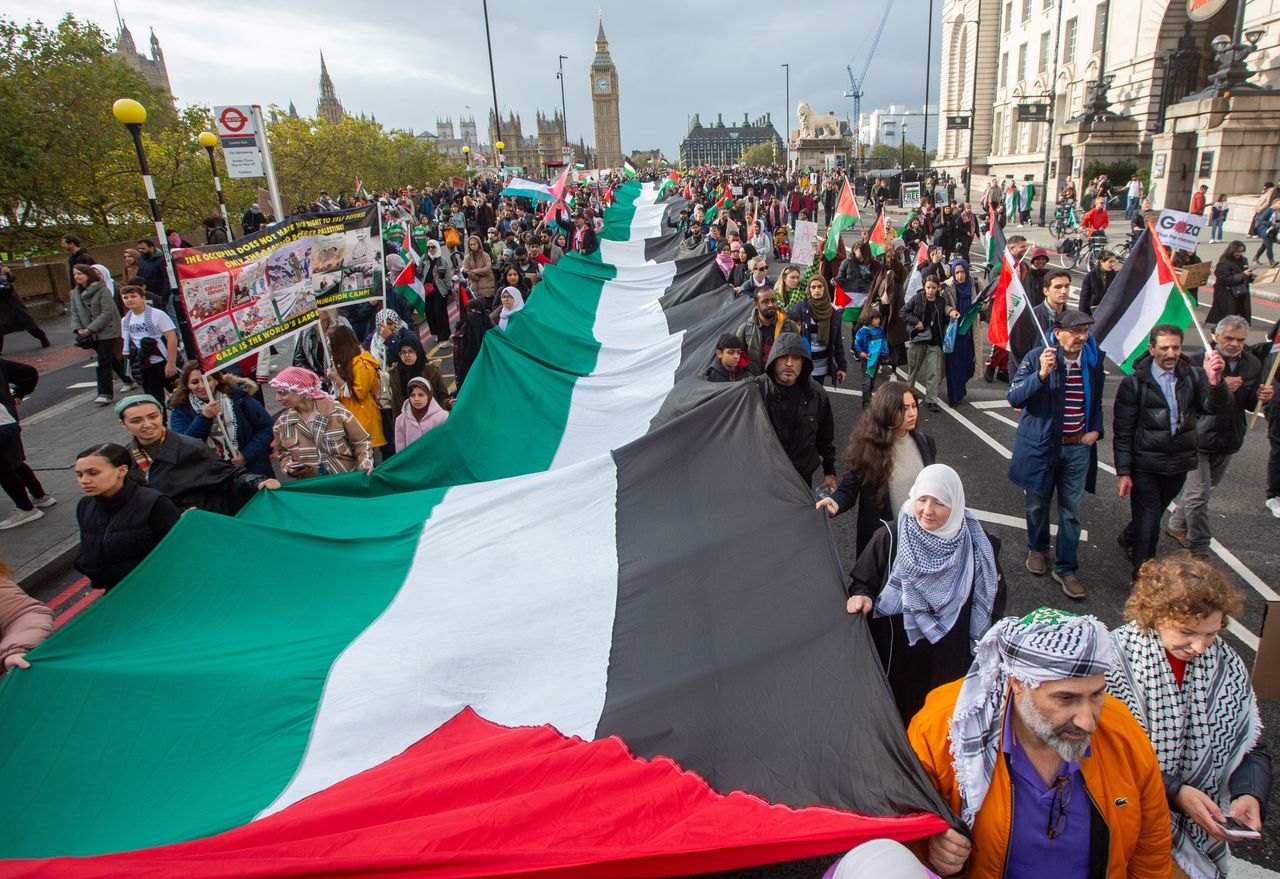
x: 806, y: 245
x: 1179, y: 230
x: 255, y: 291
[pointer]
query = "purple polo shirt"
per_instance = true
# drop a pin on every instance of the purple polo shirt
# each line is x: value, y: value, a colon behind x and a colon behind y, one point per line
x: 1030, y: 848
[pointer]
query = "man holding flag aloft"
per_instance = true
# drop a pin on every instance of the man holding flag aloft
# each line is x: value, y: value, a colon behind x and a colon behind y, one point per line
x: 1058, y: 387
x: 1162, y: 396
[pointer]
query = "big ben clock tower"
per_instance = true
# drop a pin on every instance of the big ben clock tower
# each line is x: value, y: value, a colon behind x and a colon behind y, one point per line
x: 604, y: 104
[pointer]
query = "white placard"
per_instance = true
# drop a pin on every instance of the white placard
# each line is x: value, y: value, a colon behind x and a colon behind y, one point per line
x: 806, y: 246
x: 239, y: 135
x: 1178, y: 230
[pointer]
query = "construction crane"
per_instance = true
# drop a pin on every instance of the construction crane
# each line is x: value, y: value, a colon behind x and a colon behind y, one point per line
x: 855, y: 84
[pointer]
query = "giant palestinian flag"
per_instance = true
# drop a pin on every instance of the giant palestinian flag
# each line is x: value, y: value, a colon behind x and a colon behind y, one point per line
x: 530, y: 644
x: 1145, y: 293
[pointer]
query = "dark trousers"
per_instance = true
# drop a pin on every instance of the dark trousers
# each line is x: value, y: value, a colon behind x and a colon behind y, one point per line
x: 16, y: 477
x: 29, y: 324
x: 1151, y: 495
x: 153, y: 380
x: 871, y: 379
x: 107, y: 363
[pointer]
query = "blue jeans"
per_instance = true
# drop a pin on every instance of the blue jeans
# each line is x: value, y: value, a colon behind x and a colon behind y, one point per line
x: 1133, y: 207
x: 1215, y: 229
x: 1068, y: 477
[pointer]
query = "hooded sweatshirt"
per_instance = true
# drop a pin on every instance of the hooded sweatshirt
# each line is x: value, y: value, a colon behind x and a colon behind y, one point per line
x: 800, y: 413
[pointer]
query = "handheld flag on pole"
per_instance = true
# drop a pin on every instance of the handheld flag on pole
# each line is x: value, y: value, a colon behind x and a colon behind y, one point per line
x: 407, y: 282
x: 879, y: 239
x: 846, y: 215
x: 1145, y: 292
x: 916, y: 282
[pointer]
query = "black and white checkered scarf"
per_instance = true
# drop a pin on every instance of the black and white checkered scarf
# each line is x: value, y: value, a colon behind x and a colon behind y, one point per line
x: 1045, y: 645
x: 1201, y: 731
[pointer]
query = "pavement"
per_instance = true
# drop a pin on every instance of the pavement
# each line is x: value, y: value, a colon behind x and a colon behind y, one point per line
x: 975, y: 436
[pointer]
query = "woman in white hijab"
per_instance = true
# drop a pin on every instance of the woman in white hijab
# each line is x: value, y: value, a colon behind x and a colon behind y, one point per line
x: 931, y: 582
x: 879, y: 859
x: 511, y: 301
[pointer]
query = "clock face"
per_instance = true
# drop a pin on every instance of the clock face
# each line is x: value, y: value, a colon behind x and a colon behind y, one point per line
x: 602, y: 85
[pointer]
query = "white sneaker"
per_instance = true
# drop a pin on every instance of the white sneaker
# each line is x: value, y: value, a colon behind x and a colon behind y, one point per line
x: 1273, y: 504
x: 102, y: 400
x: 20, y: 517
x: 128, y: 387
x: 45, y: 501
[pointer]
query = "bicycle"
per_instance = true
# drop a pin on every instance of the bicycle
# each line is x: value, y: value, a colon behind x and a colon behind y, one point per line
x: 1065, y: 219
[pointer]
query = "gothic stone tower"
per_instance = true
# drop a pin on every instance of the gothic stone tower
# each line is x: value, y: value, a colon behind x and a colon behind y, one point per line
x: 152, y: 68
x: 328, y: 107
x: 604, y: 104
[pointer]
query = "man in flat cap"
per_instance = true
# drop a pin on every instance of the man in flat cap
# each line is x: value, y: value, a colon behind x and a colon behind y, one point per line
x: 1059, y: 390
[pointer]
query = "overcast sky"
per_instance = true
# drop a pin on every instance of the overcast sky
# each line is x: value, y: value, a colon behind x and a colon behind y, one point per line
x: 406, y: 69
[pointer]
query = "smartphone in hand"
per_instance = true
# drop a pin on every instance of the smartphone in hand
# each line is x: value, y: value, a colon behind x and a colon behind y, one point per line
x: 1238, y: 831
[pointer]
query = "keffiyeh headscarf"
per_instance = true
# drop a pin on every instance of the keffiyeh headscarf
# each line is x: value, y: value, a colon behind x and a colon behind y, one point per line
x: 377, y: 344
x: 1045, y: 645
x: 1201, y: 731
x: 935, y: 572
x: 301, y: 381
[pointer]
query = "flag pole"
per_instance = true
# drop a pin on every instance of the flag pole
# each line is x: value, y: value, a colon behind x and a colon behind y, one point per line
x: 1271, y: 376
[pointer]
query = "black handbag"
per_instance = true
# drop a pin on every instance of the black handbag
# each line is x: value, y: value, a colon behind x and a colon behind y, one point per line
x: 87, y: 342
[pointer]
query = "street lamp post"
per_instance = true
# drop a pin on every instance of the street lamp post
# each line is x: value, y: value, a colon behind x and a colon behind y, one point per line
x: 131, y: 115
x: 466, y: 154
x: 209, y: 140
x: 787, y: 107
x: 902, y: 161
x: 502, y: 163
x: 928, y: 57
x: 493, y: 81
x: 1231, y: 53
x: 564, y: 109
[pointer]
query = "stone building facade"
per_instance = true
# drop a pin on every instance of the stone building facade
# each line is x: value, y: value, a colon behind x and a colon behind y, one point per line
x: 720, y: 144
x: 1145, y: 59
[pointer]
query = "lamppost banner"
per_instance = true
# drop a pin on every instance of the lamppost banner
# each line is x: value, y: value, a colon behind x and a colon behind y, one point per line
x: 250, y: 293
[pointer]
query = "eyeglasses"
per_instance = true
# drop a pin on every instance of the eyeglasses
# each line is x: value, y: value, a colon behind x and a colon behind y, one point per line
x: 1058, y: 806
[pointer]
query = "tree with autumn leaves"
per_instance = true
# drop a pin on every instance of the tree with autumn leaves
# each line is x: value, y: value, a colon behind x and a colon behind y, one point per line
x: 66, y: 165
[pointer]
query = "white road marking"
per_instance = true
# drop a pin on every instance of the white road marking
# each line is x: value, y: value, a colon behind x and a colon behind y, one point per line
x: 1246, y: 637
x: 998, y: 417
x: 1244, y: 870
x: 990, y: 404
x: 1015, y: 522
x: 78, y: 385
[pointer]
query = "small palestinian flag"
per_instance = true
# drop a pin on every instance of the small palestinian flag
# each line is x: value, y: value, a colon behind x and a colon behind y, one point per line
x: 915, y: 283
x: 407, y: 283
x: 628, y: 169
x: 879, y: 239
x: 1145, y: 293
x: 672, y: 179
x: 846, y: 215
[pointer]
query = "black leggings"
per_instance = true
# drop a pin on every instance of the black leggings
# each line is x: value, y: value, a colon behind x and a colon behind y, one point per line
x: 20, y: 484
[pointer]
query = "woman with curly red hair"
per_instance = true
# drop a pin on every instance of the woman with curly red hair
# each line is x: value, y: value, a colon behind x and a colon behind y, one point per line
x: 1191, y: 692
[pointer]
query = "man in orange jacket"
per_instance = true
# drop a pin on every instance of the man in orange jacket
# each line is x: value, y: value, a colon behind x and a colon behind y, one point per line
x: 1047, y: 771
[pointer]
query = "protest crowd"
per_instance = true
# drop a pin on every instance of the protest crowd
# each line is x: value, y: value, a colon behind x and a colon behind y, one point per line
x: 1134, y: 751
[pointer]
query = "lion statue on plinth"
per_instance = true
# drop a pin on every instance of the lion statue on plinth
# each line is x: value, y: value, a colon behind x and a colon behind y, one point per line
x: 813, y: 126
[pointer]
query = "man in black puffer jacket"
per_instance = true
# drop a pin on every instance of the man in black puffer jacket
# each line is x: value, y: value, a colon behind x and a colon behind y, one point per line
x: 1220, y: 436
x: 1155, y: 435
x: 799, y: 410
